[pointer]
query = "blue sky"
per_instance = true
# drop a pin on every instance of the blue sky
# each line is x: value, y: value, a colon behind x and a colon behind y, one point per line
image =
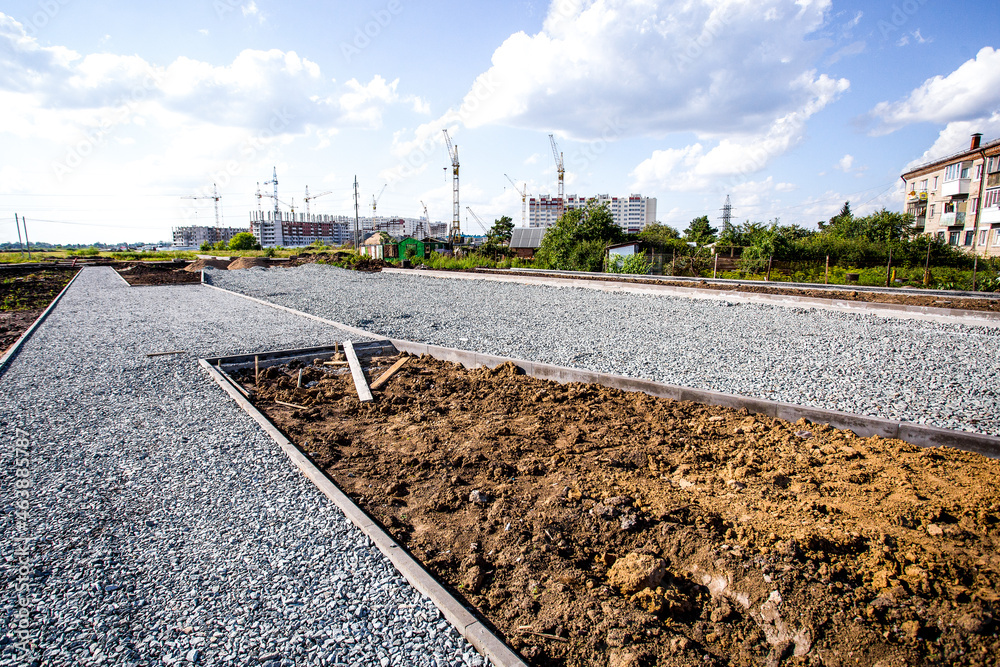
x: 110, y: 114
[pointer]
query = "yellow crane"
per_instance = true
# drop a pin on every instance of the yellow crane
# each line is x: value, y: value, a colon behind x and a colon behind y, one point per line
x: 523, y: 191
x: 455, y: 233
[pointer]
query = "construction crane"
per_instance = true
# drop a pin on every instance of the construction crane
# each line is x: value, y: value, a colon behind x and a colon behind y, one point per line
x: 310, y: 197
x: 375, y: 199
x: 215, y: 195
x: 455, y: 233
x: 561, y: 169
x: 524, y: 200
x: 427, y: 219
x: 274, y: 182
x: 476, y: 218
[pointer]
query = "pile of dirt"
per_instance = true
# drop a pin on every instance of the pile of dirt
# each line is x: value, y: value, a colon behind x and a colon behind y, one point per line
x: 915, y: 299
x: 248, y: 262
x: 338, y: 257
x: 25, y: 292
x: 199, y: 264
x: 370, y: 264
x: 595, y: 526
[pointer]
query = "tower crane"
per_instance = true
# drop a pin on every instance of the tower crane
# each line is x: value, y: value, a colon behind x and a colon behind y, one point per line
x: 561, y: 169
x: 523, y: 191
x: 274, y: 182
x: 427, y: 219
x: 215, y: 195
x: 476, y: 218
x: 375, y: 199
x: 310, y: 197
x: 455, y: 233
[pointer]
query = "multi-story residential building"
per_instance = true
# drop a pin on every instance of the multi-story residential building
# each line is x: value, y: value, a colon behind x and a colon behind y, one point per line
x: 193, y: 237
x: 631, y: 213
x: 957, y: 198
x: 299, y: 229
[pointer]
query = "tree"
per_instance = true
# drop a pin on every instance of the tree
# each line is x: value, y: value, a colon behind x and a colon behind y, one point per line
x: 634, y: 264
x: 205, y: 246
x: 659, y: 234
x: 244, y: 241
x: 700, y: 231
x: 578, y: 239
x: 501, y: 231
x: 887, y: 226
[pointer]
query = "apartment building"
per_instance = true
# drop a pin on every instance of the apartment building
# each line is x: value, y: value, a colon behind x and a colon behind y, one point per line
x: 298, y: 229
x: 631, y: 213
x: 194, y: 236
x: 957, y: 198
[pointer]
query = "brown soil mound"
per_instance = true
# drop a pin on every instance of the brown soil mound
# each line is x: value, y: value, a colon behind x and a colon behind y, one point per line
x: 200, y: 264
x: 25, y: 292
x: 335, y: 257
x: 248, y: 262
x: 595, y: 526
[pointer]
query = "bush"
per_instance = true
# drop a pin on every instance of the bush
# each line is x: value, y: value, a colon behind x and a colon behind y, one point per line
x: 244, y: 241
x: 636, y: 264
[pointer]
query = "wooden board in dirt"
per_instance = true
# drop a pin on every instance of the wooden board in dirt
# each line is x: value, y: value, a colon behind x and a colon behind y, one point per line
x: 24, y: 294
x: 595, y: 526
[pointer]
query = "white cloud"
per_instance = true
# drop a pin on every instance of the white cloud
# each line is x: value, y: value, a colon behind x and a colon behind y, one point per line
x: 362, y: 104
x: 852, y: 49
x: 252, y: 11
x: 955, y: 137
x: 845, y: 163
x: 713, y: 66
x: 970, y: 92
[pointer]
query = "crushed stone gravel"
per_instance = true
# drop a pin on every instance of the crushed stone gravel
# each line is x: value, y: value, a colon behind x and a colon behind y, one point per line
x: 164, y: 527
x: 942, y: 375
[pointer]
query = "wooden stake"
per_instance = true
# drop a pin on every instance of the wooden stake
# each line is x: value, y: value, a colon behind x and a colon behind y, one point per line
x: 769, y: 260
x: 299, y: 385
x: 292, y: 405
x: 826, y: 275
x: 927, y: 264
x: 382, y: 379
x: 256, y: 370
x: 163, y: 354
x: 715, y: 270
x: 334, y: 363
x: 975, y: 266
x: 888, y: 269
x: 360, y: 384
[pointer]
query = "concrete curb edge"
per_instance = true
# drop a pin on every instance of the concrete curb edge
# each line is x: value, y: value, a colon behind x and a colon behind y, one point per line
x: 16, y: 347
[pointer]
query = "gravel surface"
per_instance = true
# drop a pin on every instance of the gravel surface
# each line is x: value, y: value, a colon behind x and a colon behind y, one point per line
x: 166, y: 527
x: 940, y: 374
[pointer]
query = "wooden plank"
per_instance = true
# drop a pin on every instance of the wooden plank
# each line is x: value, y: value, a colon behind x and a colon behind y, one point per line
x: 164, y: 354
x: 382, y: 379
x: 364, y: 393
x: 291, y: 405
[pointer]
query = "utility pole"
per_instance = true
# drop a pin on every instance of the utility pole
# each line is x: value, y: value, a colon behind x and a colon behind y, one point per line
x: 727, y: 215
x: 356, y: 214
x: 19, y: 243
x: 24, y: 223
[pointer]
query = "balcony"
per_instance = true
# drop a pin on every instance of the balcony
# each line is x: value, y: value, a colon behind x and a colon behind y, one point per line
x: 959, y: 186
x: 989, y: 216
x: 953, y: 219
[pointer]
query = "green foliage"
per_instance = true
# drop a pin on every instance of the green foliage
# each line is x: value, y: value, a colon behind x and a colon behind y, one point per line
x: 220, y: 245
x: 501, y: 231
x: 659, y: 235
x: 205, y: 246
x: 84, y: 252
x: 269, y: 252
x: 635, y: 264
x: 410, y: 252
x: 700, y: 231
x: 244, y: 241
x: 578, y: 239
x: 882, y: 226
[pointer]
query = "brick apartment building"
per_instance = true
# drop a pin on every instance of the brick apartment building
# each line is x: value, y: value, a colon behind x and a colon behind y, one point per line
x: 957, y: 198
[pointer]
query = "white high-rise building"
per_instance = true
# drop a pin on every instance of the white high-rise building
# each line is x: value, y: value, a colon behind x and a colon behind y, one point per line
x: 631, y: 213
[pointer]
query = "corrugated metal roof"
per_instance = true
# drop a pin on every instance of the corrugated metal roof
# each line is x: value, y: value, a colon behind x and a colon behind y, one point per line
x: 527, y: 237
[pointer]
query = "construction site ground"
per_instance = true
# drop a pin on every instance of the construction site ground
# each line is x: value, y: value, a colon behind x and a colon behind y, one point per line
x: 594, y: 526
x: 988, y: 302
x: 157, y: 273
x: 24, y: 294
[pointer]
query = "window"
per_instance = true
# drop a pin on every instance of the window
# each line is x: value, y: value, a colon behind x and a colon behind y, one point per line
x: 931, y: 214
x: 953, y: 238
x: 923, y: 185
x: 974, y: 205
x: 993, y: 165
x: 965, y: 171
x: 951, y: 172
x: 969, y: 236
x: 935, y: 182
x: 949, y: 207
x: 992, y: 198
x: 940, y: 236
x: 982, y: 237
x: 979, y: 171
x: 996, y: 238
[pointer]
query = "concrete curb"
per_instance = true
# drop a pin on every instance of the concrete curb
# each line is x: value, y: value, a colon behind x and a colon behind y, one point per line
x: 16, y: 347
x: 477, y: 634
x: 902, y: 311
x: 917, y: 434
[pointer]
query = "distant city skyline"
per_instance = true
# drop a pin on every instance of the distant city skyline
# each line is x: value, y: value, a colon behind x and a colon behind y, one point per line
x: 110, y: 116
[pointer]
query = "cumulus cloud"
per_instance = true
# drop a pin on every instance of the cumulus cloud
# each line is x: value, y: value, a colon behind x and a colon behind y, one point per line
x: 714, y: 66
x: 970, y: 92
x: 845, y: 163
